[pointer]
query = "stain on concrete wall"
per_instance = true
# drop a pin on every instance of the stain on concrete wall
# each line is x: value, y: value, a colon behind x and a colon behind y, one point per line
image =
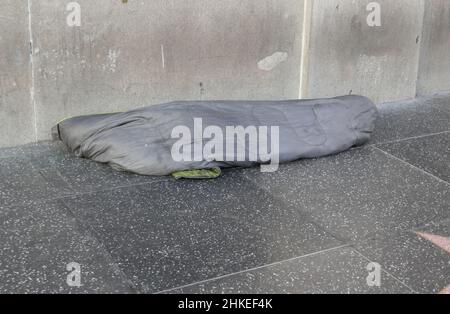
x: 348, y: 56
x: 16, y: 110
x: 434, y: 69
x: 271, y: 62
x: 126, y: 55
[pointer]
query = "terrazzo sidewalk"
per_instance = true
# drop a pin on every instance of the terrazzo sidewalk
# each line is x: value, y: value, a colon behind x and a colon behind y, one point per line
x: 315, y: 226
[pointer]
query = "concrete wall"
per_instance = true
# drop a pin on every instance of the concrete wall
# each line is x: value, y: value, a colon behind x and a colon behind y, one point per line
x: 16, y: 110
x: 347, y: 56
x: 434, y: 70
x: 126, y: 55
x: 132, y: 53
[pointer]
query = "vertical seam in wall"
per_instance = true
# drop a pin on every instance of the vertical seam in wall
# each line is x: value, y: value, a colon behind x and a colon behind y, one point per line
x: 163, y: 57
x: 304, y: 58
x: 32, y: 90
x: 419, y: 55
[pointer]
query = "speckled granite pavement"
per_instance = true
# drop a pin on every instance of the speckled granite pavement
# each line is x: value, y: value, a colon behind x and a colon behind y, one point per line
x: 312, y: 227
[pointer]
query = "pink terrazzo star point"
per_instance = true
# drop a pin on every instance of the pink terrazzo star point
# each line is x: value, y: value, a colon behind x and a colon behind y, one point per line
x: 443, y: 243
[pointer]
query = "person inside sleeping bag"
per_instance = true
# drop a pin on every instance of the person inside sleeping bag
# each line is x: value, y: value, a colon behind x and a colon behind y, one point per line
x: 195, y: 139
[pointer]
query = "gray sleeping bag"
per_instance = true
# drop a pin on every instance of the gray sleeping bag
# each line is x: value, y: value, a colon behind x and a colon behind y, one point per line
x: 187, y: 135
